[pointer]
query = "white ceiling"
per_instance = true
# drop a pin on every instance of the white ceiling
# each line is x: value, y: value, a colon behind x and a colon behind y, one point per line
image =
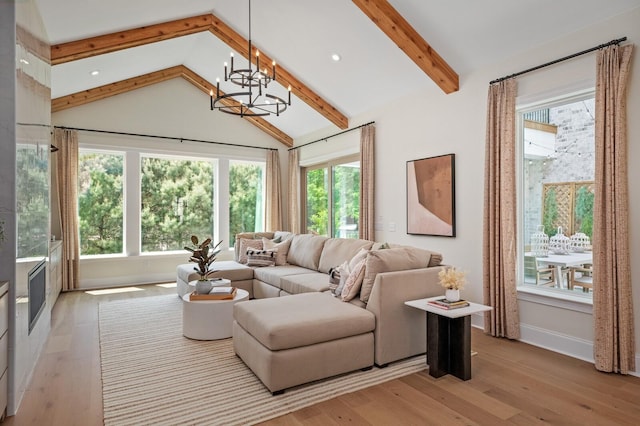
x: 302, y: 34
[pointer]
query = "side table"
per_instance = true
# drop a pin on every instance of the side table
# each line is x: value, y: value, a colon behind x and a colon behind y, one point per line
x: 448, y: 337
x: 209, y: 319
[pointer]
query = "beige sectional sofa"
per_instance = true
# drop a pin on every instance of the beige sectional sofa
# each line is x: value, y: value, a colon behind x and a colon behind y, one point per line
x: 312, y: 334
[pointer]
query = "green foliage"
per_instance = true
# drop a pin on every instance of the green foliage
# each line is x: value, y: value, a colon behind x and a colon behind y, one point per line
x: 245, y: 199
x: 100, y: 203
x: 550, y: 213
x: 177, y: 202
x: 317, y: 201
x: 584, y: 211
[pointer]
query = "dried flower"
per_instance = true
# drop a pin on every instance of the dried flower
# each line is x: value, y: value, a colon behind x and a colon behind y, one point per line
x: 452, y: 279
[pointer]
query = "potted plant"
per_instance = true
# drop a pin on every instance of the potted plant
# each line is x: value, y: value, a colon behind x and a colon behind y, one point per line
x: 203, y: 255
x: 453, y: 281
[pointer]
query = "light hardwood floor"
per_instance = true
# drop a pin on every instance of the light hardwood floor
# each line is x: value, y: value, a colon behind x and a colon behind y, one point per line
x: 513, y: 383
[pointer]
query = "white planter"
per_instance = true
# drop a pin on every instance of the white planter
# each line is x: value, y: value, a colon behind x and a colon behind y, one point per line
x: 203, y: 287
x: 452, y: 295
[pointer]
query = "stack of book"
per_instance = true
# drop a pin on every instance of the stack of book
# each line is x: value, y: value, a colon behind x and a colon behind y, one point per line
x: 216, y: 293
x: 446, y: 304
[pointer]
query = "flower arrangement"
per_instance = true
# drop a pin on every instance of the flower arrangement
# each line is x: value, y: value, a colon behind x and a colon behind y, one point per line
x: 452, y: 279
x: 203, y: 255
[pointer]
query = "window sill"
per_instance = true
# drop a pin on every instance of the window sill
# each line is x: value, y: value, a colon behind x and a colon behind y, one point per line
x: 556, y: 299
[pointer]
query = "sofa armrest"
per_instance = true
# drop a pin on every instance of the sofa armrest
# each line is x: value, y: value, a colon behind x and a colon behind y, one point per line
x: 400, y: 329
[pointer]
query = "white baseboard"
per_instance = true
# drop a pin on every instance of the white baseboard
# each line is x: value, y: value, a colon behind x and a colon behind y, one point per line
x: 556, y: 342
x: 127, y: 281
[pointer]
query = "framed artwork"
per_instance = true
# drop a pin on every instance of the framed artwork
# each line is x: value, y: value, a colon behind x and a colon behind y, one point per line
x: 431, y: 196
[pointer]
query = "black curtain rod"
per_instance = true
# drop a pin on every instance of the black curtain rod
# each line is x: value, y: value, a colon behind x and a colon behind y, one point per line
x: 602, y: 46
x: 150, y: 136
x: 331, y: 136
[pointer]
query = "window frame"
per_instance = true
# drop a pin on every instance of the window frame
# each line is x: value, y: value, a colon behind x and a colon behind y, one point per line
x: 545, y: 296
x: 303, y: 185
x: 97, y: 150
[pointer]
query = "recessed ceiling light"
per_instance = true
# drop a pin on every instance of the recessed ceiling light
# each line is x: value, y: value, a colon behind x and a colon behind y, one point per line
x: 335, y: 57
x: 95, y: 72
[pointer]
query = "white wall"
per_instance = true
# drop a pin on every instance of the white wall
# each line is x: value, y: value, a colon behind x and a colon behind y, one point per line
x: 432, y: 123
x: 176, y: 109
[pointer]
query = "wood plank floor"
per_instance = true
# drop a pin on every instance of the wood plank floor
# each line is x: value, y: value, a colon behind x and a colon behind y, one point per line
x: 513, y: 383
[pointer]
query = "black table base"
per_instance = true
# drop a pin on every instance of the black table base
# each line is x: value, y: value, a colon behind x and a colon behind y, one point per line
x: 449, y: 346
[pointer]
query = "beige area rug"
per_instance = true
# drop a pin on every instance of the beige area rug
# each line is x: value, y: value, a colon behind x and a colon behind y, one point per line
x: 152, y: 375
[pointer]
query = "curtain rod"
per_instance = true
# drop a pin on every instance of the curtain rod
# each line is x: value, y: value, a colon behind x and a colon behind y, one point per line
x: 331, y: 136
x: 612, y: 42
x: 149, y: 136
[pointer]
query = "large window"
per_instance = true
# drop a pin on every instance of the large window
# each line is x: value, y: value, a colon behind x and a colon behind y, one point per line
x: 333, y: 198
x: 246, y: 198
x: 176, y: 202
x: 558, y: 169
x: 100, y: 202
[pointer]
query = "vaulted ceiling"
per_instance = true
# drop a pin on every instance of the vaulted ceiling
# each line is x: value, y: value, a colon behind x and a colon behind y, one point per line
x: 388, y: 49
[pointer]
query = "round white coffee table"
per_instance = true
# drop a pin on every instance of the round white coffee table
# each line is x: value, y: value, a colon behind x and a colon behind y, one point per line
x: 209, y: 319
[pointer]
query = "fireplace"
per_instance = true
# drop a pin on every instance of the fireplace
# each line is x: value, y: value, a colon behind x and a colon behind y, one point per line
x: 37, y: 292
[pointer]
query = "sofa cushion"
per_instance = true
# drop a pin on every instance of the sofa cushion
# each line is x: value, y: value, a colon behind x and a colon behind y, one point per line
x: 305, y: 283
x: 354, y: 282
x: 282, y: 248
x: 272, y: 274
x: 305, y: 250
x: 432, y: 258
x: 301, y: 320
x: 337, y: 250
x: 393, y: 259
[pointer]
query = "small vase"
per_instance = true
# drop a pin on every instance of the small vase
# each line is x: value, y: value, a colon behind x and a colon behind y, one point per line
x: 452, y: 295
x: 203, y: 287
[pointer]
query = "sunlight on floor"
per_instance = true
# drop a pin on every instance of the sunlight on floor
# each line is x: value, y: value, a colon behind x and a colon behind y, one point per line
x: 167, y: 285
x: 113, y: 291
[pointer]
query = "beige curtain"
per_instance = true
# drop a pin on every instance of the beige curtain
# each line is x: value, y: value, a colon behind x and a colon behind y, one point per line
x: 614, y: 346
x: 274, y: 192
x: 367, y: 183
x: 294, y: 191
x: 67, y: 179
x: 499, y: 239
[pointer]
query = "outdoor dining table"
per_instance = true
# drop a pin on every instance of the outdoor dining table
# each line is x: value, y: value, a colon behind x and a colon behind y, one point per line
x: 565, y: 260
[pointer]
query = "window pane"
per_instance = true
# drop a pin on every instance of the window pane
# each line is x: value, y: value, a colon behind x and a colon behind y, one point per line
x: 100, y: 203
x: 558, y: 175
x: 177, y: 202
x: 246, y: 206
x: 318, y: 201
x: 346, y: 200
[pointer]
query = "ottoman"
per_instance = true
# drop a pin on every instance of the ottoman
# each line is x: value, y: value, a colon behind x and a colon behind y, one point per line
x: 291, y: 340
x: 241, y: 276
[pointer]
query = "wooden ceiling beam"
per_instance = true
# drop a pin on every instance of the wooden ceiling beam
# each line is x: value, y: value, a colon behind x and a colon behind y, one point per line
x: 108, y: 90
x: 107, y: 43
x: 80, y: 49
x: 410, y: 42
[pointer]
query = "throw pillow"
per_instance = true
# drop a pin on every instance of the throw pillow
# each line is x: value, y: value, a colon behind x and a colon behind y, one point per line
x: 343, y: 270
x: 246, y: 244
x: 282, y: 248
x: 259, y: 258
x: 360, y: 255
x: 354, y: 282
